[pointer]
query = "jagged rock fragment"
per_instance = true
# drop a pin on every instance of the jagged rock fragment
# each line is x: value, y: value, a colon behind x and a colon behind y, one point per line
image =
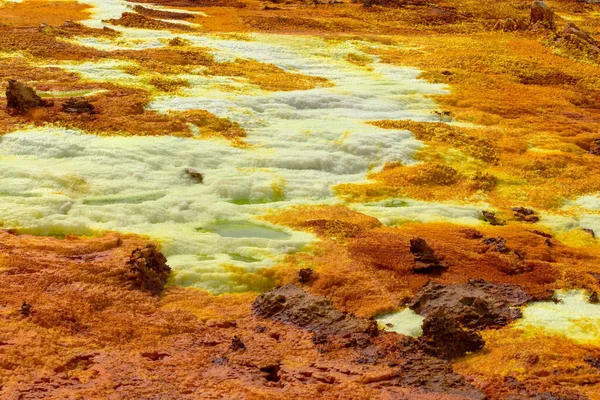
x: 525, y: 214
x: 194, y: 173
x: 497, y: 244
x: 26, y: 309
x: 305, y: 275
x: 237, y: 344
x: 148, y: 269
x: 425, y: 258
x: 20, y: 97
x: 292, y: 305
x: 445, y: 337
x: 491, y: 218
x: 595, y: 147
x: 476, y: 304
x: 78, y: 105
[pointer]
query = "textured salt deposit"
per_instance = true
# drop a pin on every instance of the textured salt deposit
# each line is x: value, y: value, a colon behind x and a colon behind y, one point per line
x: 573, y: 317
x: 59, y: 181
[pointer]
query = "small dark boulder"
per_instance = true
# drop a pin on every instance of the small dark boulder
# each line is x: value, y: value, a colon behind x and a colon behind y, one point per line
x: 195, y: 174
x: 491, y: 218
x: 525, y: 214
x: 237, y: 344
x: 595, y: 147
x: 148, y: 269
x: 26, y: 309
x: 305, y: 275
x: 78, y: 105
x: 425, y: 258
x: 445, y: 337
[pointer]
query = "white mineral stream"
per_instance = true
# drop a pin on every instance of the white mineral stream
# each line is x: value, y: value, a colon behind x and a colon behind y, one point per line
x: 58, y: 181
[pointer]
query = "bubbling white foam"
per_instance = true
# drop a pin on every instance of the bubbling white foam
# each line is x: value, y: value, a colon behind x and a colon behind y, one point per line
x: 59, y: 181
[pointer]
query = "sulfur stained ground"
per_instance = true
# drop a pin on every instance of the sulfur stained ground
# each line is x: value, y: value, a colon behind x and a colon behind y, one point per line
x: 527, y: 107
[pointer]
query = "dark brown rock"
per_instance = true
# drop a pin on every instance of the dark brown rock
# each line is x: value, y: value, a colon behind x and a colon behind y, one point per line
x: 491, y: 218
x: 425, y: 258
x: 148, y: 269
x: 237, y: 344
x: 593, y: 361
x: 292, y: 305
x: 595, y: 147
x: 445, y: 337
x: 21, y: 98
x: 496, y: 244
x: 195, y: 174
x: 434, y: 375
x: 78, y: 105
x: 476, y: 304
x: 305, y: 275
x: 525, y: 214
x: 26, y: 309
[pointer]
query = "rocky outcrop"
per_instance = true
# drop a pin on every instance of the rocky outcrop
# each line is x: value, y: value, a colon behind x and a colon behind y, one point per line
x: 21, y: 98
x: 148, y: 269
x: 476, y: 304
x: 292, y: 305
x: 541, y: 15
x: 425, y: 258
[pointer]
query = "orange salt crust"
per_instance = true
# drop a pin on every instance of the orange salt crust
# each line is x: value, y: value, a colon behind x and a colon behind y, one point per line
x: 91, y: 335
x: 88, y: 334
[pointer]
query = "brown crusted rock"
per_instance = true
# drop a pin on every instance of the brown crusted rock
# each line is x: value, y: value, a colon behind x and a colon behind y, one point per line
x: 292, y: 305
x: 525, y: 214
x: 425, y: 258
x: 445, y: 337
x: 305, y: 275
x: 78, y: 105
x: 595, y: 147
x: 476, y: 304
x: 195, y: 174
x: 237, y: 344
x: 22, y: 98
x: 26, y: 309
x: 432, y: 374
x: 148, y: 269
x: 491, y: 218
x: 542, y: 15
x: 497, y: 244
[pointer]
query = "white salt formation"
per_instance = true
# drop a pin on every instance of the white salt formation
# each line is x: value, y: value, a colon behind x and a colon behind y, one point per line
x: 57, y: 181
